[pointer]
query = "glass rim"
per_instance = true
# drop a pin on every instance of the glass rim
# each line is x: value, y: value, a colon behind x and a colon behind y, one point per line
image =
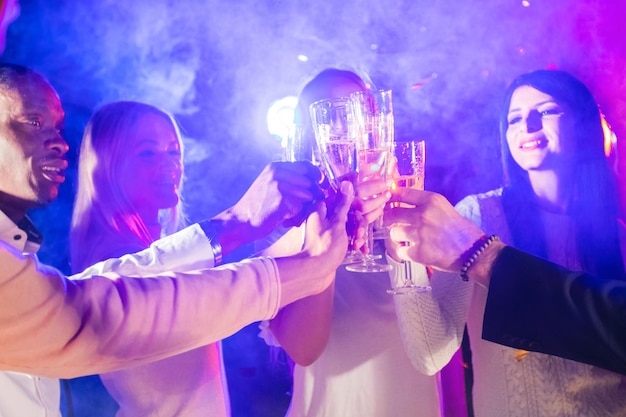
x: 368, y: 91
x: 344, y: 99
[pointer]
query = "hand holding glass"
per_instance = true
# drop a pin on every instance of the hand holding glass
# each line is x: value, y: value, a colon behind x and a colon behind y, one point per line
x: 373, y: 126
x: 410, y: 163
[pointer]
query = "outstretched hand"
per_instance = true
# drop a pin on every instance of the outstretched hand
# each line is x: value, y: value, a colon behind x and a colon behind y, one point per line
x: 325, y: 234
x: 312, y: 270
x: 438, y: 235
x: 371, y: 196
x: 278, y: 195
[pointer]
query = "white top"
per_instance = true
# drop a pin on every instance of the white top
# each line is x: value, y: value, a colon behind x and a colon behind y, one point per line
x: 507, y: 382
x: 192, y: 384
x: 54, y: 327
x: 364, y: 371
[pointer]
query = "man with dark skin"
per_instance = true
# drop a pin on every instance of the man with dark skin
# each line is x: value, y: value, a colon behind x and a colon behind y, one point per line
x: 54, y: 327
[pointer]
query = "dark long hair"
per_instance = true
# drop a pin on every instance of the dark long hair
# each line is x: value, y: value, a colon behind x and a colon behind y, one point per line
x: 320, y: 88
x: 593, y: 202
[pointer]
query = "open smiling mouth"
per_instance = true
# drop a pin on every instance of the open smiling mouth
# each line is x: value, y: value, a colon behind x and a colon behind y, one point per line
x: 54, y: 172
x: 537, y: 143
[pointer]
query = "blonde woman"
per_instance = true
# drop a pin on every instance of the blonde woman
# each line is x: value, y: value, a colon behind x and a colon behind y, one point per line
x: 130, y: 172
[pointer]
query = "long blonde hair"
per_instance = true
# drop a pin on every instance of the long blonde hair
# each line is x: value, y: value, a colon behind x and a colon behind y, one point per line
x: 100, y: 206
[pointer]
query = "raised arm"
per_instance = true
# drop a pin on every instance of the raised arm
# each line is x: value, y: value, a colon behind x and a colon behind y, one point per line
x: 532, y: 304
x: 431, y: 323
x: 537, y: 305
x: 52, y: 326
x: 281, y: 194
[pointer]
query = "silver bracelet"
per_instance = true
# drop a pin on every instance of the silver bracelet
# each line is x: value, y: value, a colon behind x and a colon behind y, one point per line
x: 211, y: 231
x: 474, y: 252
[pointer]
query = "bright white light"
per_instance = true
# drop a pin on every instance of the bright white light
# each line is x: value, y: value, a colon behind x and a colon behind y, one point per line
x: 303, y: 58
x: 525, y: 3
x: 280, y: 118
x: 610, y: 139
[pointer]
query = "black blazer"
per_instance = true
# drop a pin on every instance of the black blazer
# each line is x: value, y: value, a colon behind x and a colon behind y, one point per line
x: 539, y: 306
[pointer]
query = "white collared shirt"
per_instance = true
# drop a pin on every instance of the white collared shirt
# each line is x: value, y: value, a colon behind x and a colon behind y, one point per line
x: 23, y: 394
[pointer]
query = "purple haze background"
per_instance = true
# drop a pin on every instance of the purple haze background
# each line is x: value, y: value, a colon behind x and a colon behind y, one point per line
x: 218, y: 65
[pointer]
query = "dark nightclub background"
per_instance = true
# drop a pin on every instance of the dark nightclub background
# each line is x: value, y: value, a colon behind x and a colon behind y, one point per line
x: 219, y: 65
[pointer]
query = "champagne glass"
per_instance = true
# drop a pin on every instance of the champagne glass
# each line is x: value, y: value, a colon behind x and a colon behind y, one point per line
x: 373, y: 126
x: 410, y: 159
x: 301, y: 145
x: 337, y: 152
x: 384, y: 107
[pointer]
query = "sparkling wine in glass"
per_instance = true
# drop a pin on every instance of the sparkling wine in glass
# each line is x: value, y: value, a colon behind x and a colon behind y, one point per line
x: 337, y: 153
x: 301, y: 146
x: 373, y: 125
x: 410, y: 167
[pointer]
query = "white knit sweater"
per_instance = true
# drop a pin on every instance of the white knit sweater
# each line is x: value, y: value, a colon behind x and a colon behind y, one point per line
x: 507, y: 382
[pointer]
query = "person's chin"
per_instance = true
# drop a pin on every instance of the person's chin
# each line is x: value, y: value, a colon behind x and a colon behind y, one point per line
x: 48, y: 196
x: 532, y: 162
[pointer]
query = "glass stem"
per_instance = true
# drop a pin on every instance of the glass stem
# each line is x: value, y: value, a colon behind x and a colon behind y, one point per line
x: 408, y: 273
x: 370, y: 242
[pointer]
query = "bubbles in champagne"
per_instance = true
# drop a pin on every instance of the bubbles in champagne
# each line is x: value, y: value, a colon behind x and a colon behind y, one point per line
x: 338, y: 155
x: 373, y: 161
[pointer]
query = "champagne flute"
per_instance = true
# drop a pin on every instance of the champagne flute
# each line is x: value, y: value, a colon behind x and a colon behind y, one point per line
x: 410, y: 160
x: 384, y: 107
x: 337, y: 152
x: 373, y: 126
x: 301, y: 145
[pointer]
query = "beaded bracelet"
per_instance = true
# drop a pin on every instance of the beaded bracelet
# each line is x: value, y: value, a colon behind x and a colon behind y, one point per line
x: 474, y: 252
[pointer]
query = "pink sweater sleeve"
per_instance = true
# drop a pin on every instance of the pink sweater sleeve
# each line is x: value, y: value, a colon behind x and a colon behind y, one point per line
x: 51, y: 326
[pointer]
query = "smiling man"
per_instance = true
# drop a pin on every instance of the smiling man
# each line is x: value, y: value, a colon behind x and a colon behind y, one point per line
x: 32, y: 167
x: 56, y: 327
x: 32, y: 152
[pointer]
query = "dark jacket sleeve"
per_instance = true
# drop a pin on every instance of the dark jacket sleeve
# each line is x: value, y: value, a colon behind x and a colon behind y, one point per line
x: 538, y: 306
